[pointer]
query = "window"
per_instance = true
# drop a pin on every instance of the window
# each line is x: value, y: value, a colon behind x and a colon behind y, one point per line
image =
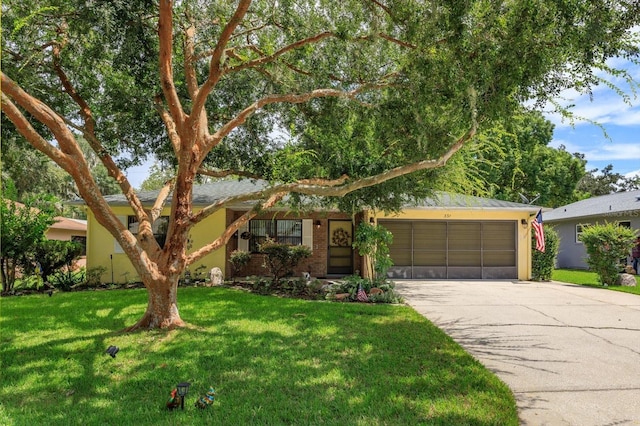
x: 579, y: 229
x: 160, y: 227
x: 82, y: 240
x: 281, y: 231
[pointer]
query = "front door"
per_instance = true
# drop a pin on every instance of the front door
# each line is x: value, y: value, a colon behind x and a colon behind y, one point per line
x: 340, y: 260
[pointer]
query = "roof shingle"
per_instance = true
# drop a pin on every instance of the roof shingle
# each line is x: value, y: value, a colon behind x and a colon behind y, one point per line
x: 616, y: 203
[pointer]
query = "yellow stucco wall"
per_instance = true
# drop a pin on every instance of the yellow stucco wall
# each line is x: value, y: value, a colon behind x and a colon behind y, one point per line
x: 103, y: 251
x: 524, y: 232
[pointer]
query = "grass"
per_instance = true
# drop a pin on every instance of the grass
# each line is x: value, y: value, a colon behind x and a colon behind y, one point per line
x: 590, y: 279
x: 271, y: 361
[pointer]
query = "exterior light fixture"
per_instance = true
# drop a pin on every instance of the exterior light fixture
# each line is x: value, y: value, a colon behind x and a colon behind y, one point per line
x: 524, y: 223
x: 318, y: 224
x: 113, y: 350
x: 372, y: 221
x: 183, y: 390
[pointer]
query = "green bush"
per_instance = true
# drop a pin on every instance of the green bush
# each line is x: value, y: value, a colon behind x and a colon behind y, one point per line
x: 280, y: 259
x: 65, y: 279
x: 93, y: 276
x: 352, y: 283
x: 543, y: 263
x: 53, y: 256
x: 238, y: 259
x: 606, y: 245
x: 373, y: 241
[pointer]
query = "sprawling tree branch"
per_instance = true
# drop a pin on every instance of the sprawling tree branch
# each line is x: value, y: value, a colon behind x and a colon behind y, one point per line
x: 226, y: 173
x: 71, y: 159
x: 165, y: 37
x: 216, y: 64
x: 170, y: 125
x: 161, y: 200
x: 88, y: 131
x: 270, y: 58
x: 339, y: 187
x: 231, y: 229
x: 26, y: 129
x: 293, y: 98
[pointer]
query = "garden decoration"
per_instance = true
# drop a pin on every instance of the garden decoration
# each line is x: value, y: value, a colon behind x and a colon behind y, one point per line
x: 340, y: 238
x: 113, y: 350
x: 174, y: 400
x: 362, y: 295
x: 206, y: 400
x: 183, y: 390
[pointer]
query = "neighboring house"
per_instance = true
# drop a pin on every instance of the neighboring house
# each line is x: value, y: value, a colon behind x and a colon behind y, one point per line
x: 66, y: 229
x: 446, y: 238
x: 621, y: 207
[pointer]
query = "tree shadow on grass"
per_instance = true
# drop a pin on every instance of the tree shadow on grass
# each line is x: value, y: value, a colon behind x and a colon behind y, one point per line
x: 272, y: 361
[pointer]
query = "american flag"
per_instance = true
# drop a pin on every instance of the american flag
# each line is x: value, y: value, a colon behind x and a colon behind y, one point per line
x: 539, y: 232
x: 362, y: 296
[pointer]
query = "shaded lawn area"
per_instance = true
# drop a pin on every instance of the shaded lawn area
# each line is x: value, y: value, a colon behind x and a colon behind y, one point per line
x: 271, y: 361
x: 588, y: 278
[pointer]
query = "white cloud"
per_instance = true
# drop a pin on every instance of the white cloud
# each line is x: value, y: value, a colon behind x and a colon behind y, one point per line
x: 604, y: 109
x: 632, y: 174
x: 614, y: 151
x: 605, y: 106
x: 603, y: 151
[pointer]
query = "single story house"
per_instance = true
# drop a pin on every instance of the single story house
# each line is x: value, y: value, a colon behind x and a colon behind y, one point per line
x: 622, y: 208
x: 67, y: 229
x: 447, y: 237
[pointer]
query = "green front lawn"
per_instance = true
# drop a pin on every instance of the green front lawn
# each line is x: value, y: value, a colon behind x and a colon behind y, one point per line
x: 588, y: 278
x: 271, y: 361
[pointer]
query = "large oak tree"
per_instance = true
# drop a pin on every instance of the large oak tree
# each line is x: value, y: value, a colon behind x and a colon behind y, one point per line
x: 333, y: 99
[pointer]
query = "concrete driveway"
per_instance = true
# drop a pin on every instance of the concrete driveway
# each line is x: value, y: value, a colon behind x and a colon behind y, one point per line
x: 570, y: 354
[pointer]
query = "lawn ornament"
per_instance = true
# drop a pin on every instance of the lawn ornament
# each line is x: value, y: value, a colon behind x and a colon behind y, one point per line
x: 174, y: 400
x: 113, y: 350
x: 206, y: 400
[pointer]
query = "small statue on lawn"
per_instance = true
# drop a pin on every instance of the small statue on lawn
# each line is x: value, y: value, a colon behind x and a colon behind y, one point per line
x: 206, y: 400
x: 174, y: 400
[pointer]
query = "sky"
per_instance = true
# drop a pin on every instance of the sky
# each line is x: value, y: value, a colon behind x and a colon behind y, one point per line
x: 619, y: 146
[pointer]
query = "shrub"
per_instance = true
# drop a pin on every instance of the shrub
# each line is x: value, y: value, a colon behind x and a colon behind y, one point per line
x: 55, y: 255
x: 350, y: 284
x: 373, y: 241
x: 280, y: 259
x: 65, y: 279
x: 543, y: 263
x: 238, y: 259
x: 606, y: 245
x: 93, y: 276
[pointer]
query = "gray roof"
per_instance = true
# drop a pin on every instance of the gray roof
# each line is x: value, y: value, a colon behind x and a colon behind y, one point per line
x: 454, y: 201
x: 203, y: 195
x: 209, y: 193
x: 619, y: 203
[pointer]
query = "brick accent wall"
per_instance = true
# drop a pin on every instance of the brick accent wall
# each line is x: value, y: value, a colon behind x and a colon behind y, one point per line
x: 316, y: 264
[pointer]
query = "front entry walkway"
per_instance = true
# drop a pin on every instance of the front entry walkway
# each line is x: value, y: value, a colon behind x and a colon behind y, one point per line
x: 570, y: 354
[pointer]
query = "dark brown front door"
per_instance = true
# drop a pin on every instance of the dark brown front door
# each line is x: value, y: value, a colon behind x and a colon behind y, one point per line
x: 340, y: 260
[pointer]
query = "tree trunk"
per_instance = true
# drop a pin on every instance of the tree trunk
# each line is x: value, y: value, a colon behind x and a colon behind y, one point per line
x: 162, y: 306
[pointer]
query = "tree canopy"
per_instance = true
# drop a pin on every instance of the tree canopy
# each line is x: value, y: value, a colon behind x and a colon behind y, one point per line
x: 325, y: 99
x: 606, y: 182
x: 517, y: 163
x: 23, y: 228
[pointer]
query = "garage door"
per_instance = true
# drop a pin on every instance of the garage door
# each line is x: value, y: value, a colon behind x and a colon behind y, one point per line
x: 453, y: 249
